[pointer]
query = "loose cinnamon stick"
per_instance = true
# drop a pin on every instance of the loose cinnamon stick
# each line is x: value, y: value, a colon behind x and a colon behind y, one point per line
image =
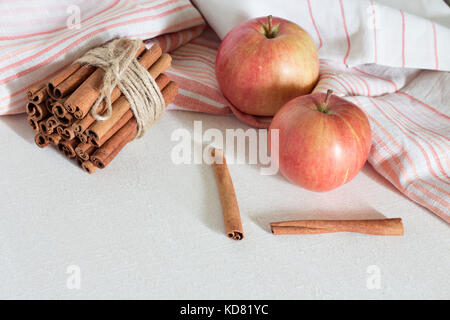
x: 73, y: 81
x: 84, y: 150
x: 81, y: 101
x: 60, y: 77
x: 230, y: 208
x: 100, y: 131
x: 41, y: 140
x: 383, y: 227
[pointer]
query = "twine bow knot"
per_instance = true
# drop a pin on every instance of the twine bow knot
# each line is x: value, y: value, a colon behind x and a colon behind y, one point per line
x: 122, y: 70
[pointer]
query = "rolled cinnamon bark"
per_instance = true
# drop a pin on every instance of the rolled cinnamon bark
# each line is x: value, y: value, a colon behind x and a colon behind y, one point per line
x: 66, y: 133
x: 89, y: 167
x: 58, y: 109
x: 84, y: 150
x: 68, y: 147
x: 36, y: 110
x: 37, y: 94
x: 60, y: 77
x: 30, y: 109
x: 230, y: 208
x: 383, y: 227
x: 82, y: 136
x: 54, y: 138
x: 51, y: 124
x: 43, y: 127
x: 100, y: 131
x: 66, y: 119
x: 104, y: 155
x: 73, y: 81
x: 33, y: 124
x: 49, y: 104
x: 41, y: 140
x: 84, y: 97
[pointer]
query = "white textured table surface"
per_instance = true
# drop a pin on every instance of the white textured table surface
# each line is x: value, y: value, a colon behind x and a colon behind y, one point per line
x: 147, y: 228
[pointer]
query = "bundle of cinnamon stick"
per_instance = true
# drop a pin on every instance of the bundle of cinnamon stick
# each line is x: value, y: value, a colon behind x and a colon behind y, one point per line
x: 58, y: 111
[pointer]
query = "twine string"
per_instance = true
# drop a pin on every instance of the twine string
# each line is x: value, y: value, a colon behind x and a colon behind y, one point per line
x: 122, y: 70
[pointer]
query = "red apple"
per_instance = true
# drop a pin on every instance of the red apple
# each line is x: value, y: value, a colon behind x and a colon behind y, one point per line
x: 265, y: 62
x: 324, y: 141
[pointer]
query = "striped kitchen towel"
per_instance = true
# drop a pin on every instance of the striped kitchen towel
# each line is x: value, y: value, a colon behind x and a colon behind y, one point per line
x: 38, y: 38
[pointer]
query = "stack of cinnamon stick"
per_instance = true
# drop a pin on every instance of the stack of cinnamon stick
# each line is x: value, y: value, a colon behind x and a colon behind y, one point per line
x: 58, y: 111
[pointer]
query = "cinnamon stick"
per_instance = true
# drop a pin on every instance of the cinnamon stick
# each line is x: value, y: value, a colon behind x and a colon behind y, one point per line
x: 60, y: 77
x: 100, y: 131
x: 230, y: 208
x: 89, y: 167
x: 104, y: 155
x: 68, y: 147
x: 66, y: 133
x: 84, y: 97
x: 37, y: 94
x: 51, y: 124
x: 109, y: 150
x: 73, y: 81
x: 49, y: 104
x: 54, y: 138
x: 43, y: 127
x: 33, y: 124
x: 41, y: 140
x: 84, y: 150
x: 36, y: 110
x: 62, y: 116
x: 382, y: 227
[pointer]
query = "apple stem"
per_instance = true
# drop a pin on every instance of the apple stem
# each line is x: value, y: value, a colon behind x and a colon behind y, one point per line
x: 323, y: 108
x: 269, y: 18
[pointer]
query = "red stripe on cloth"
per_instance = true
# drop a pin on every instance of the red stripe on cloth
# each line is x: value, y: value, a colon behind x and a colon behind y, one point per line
x: 425, y: 140
x: 47, y: 49
x: 314, y: 24
x: 200, y: 88
x: 435, y: 45
x: 197, y: 105
x: 424, y: 104
x: 22, y: 36
x: 87, y: 36
x: 403, y: 152
x: 403, y: 39
x: 346, y: 32
x: 376, y: 77
x: 424, y: 153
